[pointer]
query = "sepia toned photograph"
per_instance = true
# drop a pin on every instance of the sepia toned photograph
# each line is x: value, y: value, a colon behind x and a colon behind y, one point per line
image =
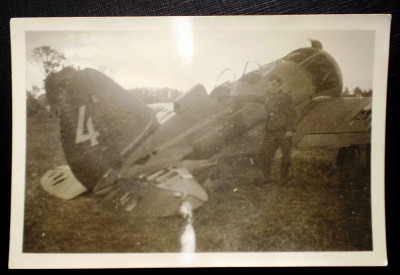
x: 199, y: 141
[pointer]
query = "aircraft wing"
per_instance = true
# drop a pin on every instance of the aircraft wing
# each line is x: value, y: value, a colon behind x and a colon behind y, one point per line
x: 337, y: 122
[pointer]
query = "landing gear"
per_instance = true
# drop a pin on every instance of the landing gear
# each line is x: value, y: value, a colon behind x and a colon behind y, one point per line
x: 354, y: 162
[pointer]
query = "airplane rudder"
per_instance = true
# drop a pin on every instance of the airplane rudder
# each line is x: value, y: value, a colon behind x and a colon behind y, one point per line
x: 99, y: 120
x: 87, y: 145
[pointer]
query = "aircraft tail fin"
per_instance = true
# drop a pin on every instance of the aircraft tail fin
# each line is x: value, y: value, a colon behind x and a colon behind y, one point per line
x: 99, y: 120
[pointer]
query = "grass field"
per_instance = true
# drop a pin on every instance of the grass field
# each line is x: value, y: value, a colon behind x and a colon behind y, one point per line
x: 316, y: 211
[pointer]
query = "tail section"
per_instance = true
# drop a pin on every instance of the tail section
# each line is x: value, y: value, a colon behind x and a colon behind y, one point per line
x: 99, y: 120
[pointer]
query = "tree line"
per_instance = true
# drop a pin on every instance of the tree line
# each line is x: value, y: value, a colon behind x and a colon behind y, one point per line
x: 357, y: 92
x: 51, y: 61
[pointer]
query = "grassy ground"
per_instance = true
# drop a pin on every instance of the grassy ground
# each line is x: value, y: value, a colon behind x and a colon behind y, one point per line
x: 316, y: 211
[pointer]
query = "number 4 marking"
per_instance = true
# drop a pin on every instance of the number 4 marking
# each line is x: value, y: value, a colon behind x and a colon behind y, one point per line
x: 91, y: 133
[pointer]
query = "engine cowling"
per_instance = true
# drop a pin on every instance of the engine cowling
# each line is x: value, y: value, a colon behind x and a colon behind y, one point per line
x: 321, y: 68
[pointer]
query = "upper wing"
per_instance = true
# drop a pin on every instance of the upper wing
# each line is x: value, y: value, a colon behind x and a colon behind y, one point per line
x: 338, y: 122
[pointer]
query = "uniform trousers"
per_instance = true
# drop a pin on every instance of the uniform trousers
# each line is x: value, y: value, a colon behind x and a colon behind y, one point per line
x: 273, y: 140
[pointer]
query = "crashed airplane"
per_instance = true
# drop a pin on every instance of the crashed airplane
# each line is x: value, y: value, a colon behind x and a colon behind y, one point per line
x: 141, y: 158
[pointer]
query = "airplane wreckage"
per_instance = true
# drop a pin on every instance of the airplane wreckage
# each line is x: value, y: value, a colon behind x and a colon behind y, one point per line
x: 142, y: 158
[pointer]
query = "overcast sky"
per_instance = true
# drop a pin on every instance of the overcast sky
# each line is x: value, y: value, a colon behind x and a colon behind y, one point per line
x: 182, y: 52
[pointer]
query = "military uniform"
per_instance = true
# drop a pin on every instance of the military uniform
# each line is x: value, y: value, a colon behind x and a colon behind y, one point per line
x: 281, y: 118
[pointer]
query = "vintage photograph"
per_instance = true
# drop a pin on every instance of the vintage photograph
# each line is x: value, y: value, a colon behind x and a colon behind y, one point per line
x: 200, y: 136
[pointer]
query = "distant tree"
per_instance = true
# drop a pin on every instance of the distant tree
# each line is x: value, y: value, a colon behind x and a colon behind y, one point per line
x: 42, y: 99
x: 357, y: 92
x: 35, y: 91
x: 346, y: 92
x: 32, y: 104
x: 368, y: 93
x: 54, y: 84
x: 50, y: 59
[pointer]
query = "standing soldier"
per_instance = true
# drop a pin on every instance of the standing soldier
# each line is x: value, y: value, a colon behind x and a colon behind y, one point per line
x: 279, y: 129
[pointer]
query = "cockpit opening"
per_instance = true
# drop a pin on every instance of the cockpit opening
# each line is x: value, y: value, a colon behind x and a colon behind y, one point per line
x: 221, y: 91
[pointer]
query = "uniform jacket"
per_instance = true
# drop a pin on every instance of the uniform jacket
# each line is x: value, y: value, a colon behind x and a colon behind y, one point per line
x: 279, y: 108
x: 281, y: 114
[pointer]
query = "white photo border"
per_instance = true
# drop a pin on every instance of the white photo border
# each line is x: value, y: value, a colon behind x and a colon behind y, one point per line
x: 377, y: 257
